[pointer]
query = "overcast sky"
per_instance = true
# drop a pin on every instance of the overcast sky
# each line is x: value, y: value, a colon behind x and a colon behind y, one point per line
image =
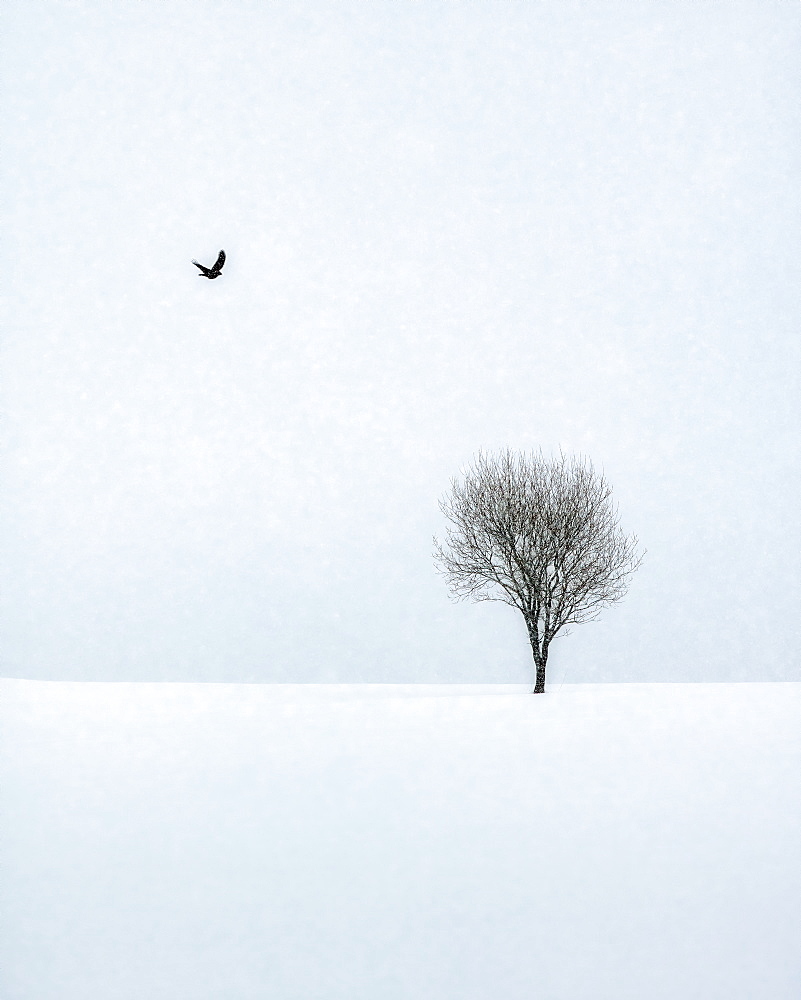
x: 449, y: 227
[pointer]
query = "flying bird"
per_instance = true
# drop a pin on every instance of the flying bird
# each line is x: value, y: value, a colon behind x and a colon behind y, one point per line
x: 211, y: 272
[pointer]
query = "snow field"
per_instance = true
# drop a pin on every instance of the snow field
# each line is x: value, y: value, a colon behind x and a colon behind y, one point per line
x: 374, y: 842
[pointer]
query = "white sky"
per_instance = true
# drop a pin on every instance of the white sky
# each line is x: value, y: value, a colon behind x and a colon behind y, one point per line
x: 448, y: 227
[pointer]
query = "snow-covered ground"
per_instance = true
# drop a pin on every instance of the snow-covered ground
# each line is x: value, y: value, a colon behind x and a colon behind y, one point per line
x: 201, y: 842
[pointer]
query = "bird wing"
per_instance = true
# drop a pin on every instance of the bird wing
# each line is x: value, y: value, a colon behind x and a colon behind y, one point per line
x: 205, y: 270
x: 219, y: 262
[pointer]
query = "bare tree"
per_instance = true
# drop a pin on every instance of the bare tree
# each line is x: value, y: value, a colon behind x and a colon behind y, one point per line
x: 540, y: 535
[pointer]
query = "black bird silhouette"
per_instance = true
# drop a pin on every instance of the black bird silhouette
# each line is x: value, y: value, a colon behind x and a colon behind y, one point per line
x: 211, y: 272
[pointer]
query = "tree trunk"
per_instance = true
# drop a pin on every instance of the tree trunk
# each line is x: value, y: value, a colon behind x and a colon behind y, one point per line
x: 540, y: 655
x: 540, y: 659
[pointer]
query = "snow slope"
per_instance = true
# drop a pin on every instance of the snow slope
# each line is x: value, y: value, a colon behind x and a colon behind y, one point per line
x: 374, y: 842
